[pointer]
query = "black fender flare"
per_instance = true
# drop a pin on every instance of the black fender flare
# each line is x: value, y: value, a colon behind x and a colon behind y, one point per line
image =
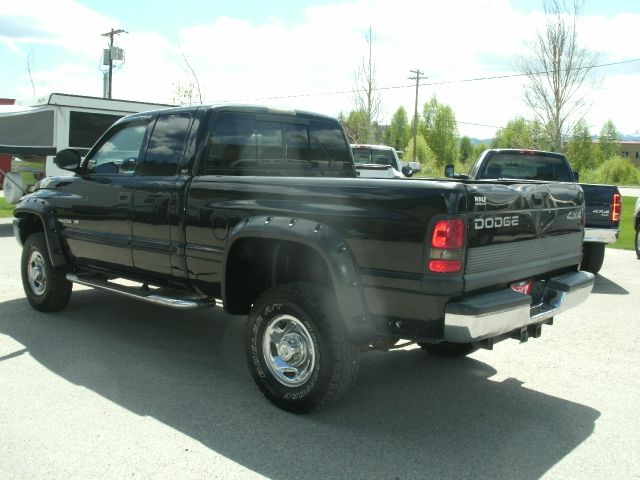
x: 46, y: 213
x: 332, y: 248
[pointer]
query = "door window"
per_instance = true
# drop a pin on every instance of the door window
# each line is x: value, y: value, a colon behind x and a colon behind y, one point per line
x: 166, y: 145
x: 119, y: 153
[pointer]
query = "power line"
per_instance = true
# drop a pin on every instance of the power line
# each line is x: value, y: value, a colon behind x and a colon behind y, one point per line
x: 443, y: 82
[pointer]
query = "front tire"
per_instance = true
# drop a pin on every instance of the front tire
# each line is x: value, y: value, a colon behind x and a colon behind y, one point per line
x: 299, y: 358
x: 638, y: 241
x: 592, y: 256
x: 46, y: 287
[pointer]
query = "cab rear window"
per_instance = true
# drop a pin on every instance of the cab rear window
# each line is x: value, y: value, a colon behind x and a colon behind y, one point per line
x: 247, y: 144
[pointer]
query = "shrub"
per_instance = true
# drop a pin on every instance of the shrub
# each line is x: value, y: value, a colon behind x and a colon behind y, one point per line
x: 616, y: 170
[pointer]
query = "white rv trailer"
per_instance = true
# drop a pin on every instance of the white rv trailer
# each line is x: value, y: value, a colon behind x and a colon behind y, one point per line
x: 33, y: 130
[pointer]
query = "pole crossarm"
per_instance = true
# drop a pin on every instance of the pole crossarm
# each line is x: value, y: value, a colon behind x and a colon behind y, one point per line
x: 111, y: 34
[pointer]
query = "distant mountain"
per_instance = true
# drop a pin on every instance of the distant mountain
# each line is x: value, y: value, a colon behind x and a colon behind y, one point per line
x: 478, y: 141
x: 632, y: 138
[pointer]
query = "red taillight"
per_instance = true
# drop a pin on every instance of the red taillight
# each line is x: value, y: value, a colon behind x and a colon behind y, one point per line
x: 445, y: 266
x: 448, y: 234
x: 616, y: 207
x: 447, y: 240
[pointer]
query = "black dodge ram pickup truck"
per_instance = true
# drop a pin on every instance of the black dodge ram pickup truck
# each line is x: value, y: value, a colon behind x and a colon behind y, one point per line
x: 261, y: 211
x: 602, y: 202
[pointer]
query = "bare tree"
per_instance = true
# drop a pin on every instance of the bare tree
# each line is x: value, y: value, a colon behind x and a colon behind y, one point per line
x: 29, y: 62
x: 366, y: 97
x: 190, y: 93
x: 559, y: 71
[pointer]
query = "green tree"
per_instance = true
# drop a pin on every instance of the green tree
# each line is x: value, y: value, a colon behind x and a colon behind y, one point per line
x: 399, y: 131
x: 466, y: 149
x: 440, y: 129
x: 580, y: 149
x: 522, y: 133
x: 516, y: 134
x: 423, y: 152
x: 356, y: 126
x: 478, y: 149
x: 608, y: 143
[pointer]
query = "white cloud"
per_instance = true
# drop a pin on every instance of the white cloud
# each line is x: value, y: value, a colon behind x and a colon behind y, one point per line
x: 238, y: 60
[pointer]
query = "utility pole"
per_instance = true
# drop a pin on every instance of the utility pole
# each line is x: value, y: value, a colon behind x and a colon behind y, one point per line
x: 417, y: 78
x: 110, y: 53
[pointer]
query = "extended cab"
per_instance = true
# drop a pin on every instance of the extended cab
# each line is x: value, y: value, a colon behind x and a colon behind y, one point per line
x: 602, y: 202
x: 261, y: 211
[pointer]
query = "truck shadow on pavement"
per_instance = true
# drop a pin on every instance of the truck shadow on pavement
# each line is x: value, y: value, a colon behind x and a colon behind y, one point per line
x: 6, y: 230
x: 409, y: 416
x: 605, y: 286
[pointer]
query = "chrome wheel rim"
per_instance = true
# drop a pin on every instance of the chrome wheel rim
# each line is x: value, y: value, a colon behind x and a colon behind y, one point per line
x: 288, y: 351
x: 37, y: 273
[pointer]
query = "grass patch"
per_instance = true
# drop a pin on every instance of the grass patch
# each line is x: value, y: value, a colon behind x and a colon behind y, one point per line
x: 626, y: 241
x: 6, y: 209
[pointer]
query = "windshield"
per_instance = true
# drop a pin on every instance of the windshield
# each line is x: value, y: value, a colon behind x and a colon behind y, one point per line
x: 373, y: 156
x: 526, y: 166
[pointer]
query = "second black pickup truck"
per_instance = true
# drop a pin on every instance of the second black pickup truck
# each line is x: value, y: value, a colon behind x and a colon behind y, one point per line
x: 261, y: 211
x: 602, y: 202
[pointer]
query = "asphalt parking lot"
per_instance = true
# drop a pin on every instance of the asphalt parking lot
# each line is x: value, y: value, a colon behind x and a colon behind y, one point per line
x: 113, y: 388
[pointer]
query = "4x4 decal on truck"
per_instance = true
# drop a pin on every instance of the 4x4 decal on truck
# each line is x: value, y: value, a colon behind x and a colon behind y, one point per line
x: 575, y: 215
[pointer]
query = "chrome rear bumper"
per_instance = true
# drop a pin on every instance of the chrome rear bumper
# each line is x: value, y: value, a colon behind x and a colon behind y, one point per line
x: 601, y: 235
x: 498, y: 313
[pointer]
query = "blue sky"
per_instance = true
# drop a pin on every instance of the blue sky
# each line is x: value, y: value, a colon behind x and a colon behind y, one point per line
x: 301, y: 50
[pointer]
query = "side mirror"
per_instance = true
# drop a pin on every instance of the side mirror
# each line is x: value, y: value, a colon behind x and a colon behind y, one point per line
x: 407, y: 171
x: 67, y: 159
x: 449, y: 171
x: 577, y: 175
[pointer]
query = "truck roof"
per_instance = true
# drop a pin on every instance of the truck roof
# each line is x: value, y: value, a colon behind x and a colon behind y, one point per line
x: 376, y: 147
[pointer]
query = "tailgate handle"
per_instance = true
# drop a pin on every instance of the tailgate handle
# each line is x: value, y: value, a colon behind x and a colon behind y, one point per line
x: 537, y: 199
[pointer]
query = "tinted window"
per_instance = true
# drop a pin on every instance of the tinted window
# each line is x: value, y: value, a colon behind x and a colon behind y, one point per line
x: 526, y: 166
x: 240, y: 144
x: 166, y: 145
x: 231, y: 142
x: 119, y: 153
x: 329, y: 148
x: 86, y: 128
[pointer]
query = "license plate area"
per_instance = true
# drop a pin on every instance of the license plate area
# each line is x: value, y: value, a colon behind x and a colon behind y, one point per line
x: 524, y: 286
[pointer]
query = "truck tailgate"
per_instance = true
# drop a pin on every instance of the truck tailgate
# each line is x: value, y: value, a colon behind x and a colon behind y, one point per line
x: 519, y: 230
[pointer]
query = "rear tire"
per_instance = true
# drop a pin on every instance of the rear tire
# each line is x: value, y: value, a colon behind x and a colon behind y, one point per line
x: 592, y: 256
x: 448, y: 349
x: 299, y: 357
x: 638, y: 241
x: 46, y: 287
